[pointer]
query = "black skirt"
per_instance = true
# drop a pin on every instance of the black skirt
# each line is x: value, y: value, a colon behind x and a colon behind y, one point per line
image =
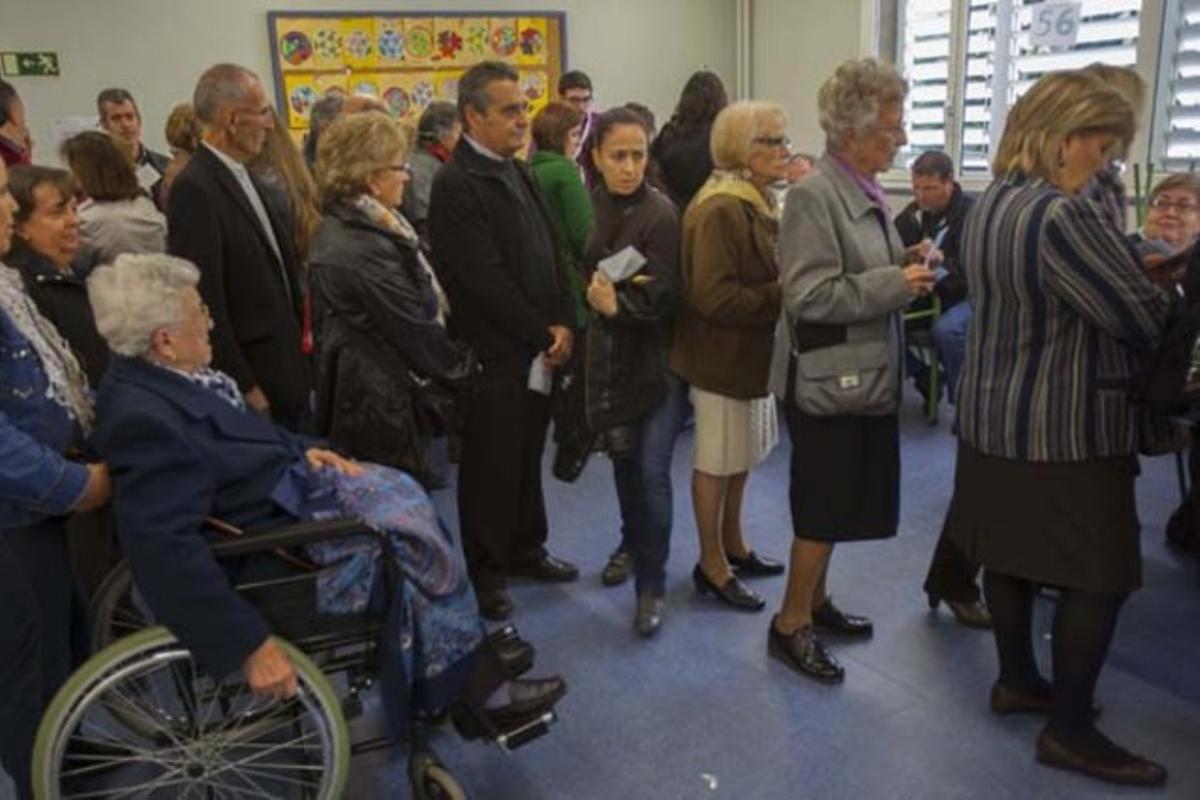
x: 845, y: 481
x: 1070, y: 524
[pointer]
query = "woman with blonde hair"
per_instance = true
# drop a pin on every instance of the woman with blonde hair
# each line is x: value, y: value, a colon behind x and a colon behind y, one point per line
x: 723, y: 333
x: 846, y: 277
x: 1048, y: 435
x: 1107, y: 188
x: 378, y: 312
x: 183, y: 136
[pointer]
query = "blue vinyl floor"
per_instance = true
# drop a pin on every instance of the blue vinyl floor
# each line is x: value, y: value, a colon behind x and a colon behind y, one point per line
x: 701, y: 713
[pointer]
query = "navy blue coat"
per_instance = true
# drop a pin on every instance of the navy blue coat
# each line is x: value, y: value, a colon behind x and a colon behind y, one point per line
x: 179, y: 453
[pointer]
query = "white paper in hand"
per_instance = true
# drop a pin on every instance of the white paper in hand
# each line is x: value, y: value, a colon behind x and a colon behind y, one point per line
x: 540, y: 375
x: 622, y: 264
x: 147, y: 176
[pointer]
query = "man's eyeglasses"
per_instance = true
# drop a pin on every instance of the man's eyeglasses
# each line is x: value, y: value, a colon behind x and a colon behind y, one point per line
x: 1166, y: 204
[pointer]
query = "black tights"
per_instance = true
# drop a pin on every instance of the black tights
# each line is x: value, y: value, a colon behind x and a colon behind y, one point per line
x: 1083, y: 629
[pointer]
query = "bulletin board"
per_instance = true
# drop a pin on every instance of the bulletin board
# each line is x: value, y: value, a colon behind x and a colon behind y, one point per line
x: 408, y: 60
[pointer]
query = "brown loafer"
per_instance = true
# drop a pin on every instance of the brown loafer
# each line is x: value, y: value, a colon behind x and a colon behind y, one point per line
x: 1120, y: 767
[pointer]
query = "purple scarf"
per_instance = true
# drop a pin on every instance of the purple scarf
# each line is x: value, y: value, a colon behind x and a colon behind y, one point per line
x: 869, y: 186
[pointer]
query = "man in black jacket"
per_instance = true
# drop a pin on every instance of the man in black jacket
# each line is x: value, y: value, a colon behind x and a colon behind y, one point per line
x: 495, y: 253
x: 249, y: 275
x: 121, y: 118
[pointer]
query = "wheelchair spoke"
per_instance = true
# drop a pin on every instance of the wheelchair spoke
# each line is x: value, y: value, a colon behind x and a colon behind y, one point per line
x: 256, y: 791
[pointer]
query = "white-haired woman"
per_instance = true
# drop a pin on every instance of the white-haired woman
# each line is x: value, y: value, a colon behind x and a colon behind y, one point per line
x: 846, y: 277
x: 1065, y: 318
x: 184, y: 446
x: 722, y: 344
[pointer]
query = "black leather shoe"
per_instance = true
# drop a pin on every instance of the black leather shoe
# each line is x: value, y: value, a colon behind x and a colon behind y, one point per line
x: 515, y: 656
x: 804, y: 652
x: 649, y: 615
x: 494, y: 604
x: 527, y: 698
x: 617, y: 570
x: 830, y: 618
x: 547, y: 568
x: 754, y: 564
x: 1118, y: 766
x: 973, y: 613
x: 733, y: 593
x: 1005, y: 700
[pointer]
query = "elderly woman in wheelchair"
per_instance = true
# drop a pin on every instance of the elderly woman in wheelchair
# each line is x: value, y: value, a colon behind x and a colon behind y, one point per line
x: 183, y: 447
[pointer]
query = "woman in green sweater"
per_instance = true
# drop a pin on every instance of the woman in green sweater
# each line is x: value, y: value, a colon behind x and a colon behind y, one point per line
x: 556, y: 135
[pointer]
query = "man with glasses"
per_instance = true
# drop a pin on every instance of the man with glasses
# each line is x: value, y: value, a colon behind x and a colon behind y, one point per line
x: 249, y: 271
x: 495, y: 252
x: 575, y: 89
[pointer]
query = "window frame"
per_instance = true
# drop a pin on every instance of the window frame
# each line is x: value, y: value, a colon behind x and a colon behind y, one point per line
x: 1156, y: 23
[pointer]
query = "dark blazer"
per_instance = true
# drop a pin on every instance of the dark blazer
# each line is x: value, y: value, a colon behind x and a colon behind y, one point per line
x: 63, y: 299
x: 378, y: 343
x: 496, y: 255
x: 256, y: 302
x: 180, y: 453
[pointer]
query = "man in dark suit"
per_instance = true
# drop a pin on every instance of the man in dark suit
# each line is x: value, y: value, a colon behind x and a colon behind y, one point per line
x: 249, y: 275
x: 495, y: 252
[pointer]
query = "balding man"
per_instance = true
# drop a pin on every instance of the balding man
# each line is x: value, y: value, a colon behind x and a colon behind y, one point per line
x: 249, y: 274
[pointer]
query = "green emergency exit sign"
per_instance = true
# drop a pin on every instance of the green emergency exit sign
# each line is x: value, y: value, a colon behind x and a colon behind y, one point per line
x: 27, y: 64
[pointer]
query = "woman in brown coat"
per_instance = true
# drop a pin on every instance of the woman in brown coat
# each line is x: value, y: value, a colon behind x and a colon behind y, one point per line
x: 724, y: 334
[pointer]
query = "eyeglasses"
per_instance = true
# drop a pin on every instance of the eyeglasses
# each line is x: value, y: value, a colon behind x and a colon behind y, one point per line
x: 1166, y: 204
x: 773, y: 141
x: 405, y: 167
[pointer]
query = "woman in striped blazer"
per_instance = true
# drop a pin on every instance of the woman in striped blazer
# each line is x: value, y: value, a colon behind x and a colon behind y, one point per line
x: 1064, y: 316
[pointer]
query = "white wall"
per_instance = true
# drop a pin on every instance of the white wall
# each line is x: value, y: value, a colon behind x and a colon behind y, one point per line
x: 633, y: 49
x: 796, y: 45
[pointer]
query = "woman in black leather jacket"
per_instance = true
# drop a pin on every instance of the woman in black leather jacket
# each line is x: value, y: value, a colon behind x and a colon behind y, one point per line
x: 387, y: 372
x: 633, y: 401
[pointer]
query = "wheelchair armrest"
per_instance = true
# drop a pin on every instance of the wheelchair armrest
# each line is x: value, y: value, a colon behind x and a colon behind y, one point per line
x: 284, y: 537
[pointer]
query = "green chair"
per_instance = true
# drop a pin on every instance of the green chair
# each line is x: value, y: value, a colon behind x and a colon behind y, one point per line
x: 920, y: 338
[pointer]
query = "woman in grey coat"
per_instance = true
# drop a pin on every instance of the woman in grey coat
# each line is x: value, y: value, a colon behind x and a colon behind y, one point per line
x: 845, y: 277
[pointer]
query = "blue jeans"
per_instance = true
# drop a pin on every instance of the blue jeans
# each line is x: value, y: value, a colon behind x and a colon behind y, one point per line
x: 644, y: 490
x: 950, y: 338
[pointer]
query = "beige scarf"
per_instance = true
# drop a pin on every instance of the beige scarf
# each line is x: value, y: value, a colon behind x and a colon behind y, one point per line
x: 395, y: 222
x: 733, y: 184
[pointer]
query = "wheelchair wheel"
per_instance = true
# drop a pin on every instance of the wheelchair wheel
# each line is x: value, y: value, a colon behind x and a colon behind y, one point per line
x: 431, y: 781
x: 183, y: 734
x: 116, y: 611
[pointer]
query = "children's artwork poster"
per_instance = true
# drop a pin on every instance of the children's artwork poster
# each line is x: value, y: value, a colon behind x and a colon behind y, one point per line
x: 407, y: 60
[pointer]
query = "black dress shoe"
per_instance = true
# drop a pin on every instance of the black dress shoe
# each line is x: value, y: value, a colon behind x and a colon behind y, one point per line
x: 547, y: 568
x: 972, y: 613
x: 1117, y: 766
x: 527, y: 698
x: 617, y: 570
x: 1006, y: 700
x: 804, y: 652
x: 830, y: 618
x: 733, y: 593
x: 515, y: 656
x: 494, y: 604
x: 649, y: 615
x: 754, y: 564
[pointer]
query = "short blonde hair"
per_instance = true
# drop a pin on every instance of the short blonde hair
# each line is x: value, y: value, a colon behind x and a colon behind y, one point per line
x: 851, y: 98
x: 353, y: 148
x: 137, y: 295
x: 1057, y: 106
x: 735, y: 129
x: 183, y: 129
x: 1125, y: 80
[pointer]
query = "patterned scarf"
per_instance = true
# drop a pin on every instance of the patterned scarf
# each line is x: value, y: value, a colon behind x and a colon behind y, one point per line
x: 66, y: 383
x: 212, y: 380
x: 735, y: 184
x: 395, y: 222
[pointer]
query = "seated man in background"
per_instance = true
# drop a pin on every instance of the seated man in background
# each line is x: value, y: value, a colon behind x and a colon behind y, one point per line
x: 936, y: 215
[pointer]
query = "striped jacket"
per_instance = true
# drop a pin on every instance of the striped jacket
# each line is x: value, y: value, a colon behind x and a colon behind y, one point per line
x: 1064, y: 317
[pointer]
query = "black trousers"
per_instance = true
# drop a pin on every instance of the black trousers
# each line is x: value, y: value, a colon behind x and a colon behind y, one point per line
x: 35, y: 637
x: 501, y: 510
x: 952, y: 573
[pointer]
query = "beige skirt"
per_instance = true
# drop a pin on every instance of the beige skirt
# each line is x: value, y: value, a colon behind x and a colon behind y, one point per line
x: 732, y: 435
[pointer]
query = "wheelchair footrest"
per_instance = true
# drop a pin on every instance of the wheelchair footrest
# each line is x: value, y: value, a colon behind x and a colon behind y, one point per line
x: 523, y: 734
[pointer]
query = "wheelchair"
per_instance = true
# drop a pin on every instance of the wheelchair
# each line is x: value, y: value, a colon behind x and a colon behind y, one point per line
x: 138, y: 720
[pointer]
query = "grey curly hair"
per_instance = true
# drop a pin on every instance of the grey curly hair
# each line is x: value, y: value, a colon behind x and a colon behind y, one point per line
x: 851, y: 98
x: 137, y: 295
